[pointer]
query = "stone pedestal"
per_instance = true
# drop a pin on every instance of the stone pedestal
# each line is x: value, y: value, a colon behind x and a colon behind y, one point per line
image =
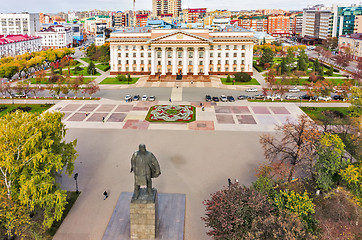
x: 143, y: 216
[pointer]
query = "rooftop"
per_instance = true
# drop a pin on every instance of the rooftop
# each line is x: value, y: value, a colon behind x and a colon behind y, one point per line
x: 353, y: 36
x: 6, y: 39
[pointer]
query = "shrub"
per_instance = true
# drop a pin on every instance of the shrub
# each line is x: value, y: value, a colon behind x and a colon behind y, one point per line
x: 242, y: 77
x: 24, y: 109
x: 2, y: 108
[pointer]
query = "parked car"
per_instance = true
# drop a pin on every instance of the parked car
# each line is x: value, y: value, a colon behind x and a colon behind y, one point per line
x: 274, y: 96
x: 251, y: 90
x: 338, y: 97
x: 324, y: 98
x: 291, y: 97
x: 136, y: 97
x: 306, y: 97
x: 242, y: 97
x: 128, y: 98
x: 259, y: 96
x: 208, y: 98
x: 337, y: 90
x: 152, y: 98
x: 144, y: 98
x: 223, y: 98
x: 294, y: 89
x: 231, y: 98
x: 215, y: 99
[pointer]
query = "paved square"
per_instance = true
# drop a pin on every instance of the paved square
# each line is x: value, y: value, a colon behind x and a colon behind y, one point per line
x: 240, y: 109
x: 136, y: 124
x: 279, y: 110
x: 88, y: 107
x: 284, y: 119
x: 201, y: 125
x: 225, y: 118
x: 66, y: 114
x: 116, y: 117
x: 260, y: 110
x: 245, y: 119
x: 97, y: 117
x: 78, y: 117
x: 106, y: 107
x: 71, y: 107
x: 123, y: 108
x: 266, y: 119
x: 222, y: 109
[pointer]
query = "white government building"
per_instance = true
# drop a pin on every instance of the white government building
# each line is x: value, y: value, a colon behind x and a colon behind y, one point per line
x: 169, y: 52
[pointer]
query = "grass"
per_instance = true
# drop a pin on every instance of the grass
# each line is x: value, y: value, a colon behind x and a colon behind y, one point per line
x: 253, y: 81
x: 86, y: 80
x: 102, y: 66
x: 35, y: 108
x: 316, y: 113
x: 87, y: 60
x: 83, y: 72
x: 113, y: 80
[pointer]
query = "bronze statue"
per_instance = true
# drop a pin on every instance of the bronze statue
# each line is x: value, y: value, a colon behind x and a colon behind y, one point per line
x: 145, y: 166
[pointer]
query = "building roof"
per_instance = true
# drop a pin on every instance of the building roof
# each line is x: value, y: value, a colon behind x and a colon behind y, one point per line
x: 353, y: 36
x: 6, y: 39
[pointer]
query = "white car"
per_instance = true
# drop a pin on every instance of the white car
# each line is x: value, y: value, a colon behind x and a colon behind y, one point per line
x: 128, y: 98
x: 144, y: 98
x: 251, y: 90
x: 294, y: 90
x: 291, y: 97
x: 324, y: 98
x: 151, y: 98
x: 223, y: 98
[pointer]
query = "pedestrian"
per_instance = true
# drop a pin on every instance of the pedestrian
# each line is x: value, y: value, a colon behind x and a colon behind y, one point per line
x: 170, y: 100
x: 192, y: 82
x: 103, y: 119
x: 105, y: 195
x: 200, y: 104
x: 176, y: 86
x: 203, y: 108
x: 229, y: 182
x: 86, y: 114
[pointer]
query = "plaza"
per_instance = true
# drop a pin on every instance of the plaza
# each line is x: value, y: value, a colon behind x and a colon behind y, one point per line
x: 196, y: 158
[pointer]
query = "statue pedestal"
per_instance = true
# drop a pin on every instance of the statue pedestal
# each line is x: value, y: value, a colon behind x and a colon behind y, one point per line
x: 143, y: 216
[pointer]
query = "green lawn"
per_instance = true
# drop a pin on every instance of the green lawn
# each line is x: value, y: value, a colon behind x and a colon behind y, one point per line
x: 87, y: 60
x: 86, y: 80
x: 102, y: 66
x: 253, y: 81
x: 316, y: 113
x: 303, y: 81
x: 35, y: 108
x: 83, y: 72
x: 113, y: 80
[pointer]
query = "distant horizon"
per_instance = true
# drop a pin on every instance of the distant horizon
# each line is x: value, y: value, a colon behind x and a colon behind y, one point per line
x: 43, y: 6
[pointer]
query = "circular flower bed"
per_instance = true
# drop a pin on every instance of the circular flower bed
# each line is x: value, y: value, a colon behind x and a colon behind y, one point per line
x: 171, y: 113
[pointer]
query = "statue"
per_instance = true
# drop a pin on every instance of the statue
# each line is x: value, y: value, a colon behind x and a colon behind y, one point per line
x: 145, y: 166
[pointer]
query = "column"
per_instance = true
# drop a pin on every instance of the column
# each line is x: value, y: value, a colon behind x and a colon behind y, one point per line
x: 215, y: 59
x: 163, y: 61
x: 130, y: 54
x: 238, y: 61
x: 145, y: 59
x: 123, y: 60
x: 196, y: 60
x: 152, y: 61
x: 174, y: 61
x: 223, y: 58
x: 138, y: 59
x: 184, y: 67
x: 206, y: 61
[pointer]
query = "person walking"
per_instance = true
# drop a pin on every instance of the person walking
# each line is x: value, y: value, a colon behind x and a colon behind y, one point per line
x: 103, y: 119
x: 105, y: 195
x: 170, y: 100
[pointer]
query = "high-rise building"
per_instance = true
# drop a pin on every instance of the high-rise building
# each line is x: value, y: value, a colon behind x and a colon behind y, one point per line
x: 346, y: 18
x: 318, y: 22
x: 19, y: 23
x: 162, y: 7
x: 358, y: 24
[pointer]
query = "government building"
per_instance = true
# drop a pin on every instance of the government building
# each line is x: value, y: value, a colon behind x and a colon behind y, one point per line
x: 165, y: 54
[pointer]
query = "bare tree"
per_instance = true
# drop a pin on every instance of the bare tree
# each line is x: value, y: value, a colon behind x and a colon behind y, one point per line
x: 296, y: 147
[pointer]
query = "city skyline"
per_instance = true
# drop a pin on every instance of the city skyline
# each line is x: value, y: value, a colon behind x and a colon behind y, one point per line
x: 121, y: 5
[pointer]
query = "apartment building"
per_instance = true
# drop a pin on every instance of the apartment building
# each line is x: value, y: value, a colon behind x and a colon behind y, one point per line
x: 168, y: 7
x: 318, y: 22
x: 56, y: 36
x: 353, y: 42
x: 357, y: 24
x: 279, y: 26
x: 19, y: 23
x: 12, y: 45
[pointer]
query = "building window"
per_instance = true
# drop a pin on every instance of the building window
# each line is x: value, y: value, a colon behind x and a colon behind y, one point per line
x: 119, y: 55
x: 158, y: 54
x: 242, y: 61
x: 190, y: 62
x: 218, y: 69
x: 219, y: 47
x: 126, y: 54
x: 127, y: 62
x: 201, y: 54
x: 179, y: 62
x: 226, y: 61
x: 235, y: 54
x: 211, y: 54
x: 243, y: 47
x: 219, y: 55
x: 149, y: 61
x: 159, y: 63
x: 234, y: 69
x: 134, y: 62
x: 119, y: 62
x: 126, y: 47
x: 159, y: 70
x: 142, y: 48
x: 142, y: 62
x: 211, y: 69
x: 169, y: 54
x: 234, y: 61
x: 201, y: 63
x: 169, y: 63
x: 149, y: 54
x: 218, y: 61
x: 227, y: 47
x: 127, y: 69
x: 190, y: 70
x: 235, y: 47
x: 142, y: 54
x: 190, y: 54
x: 212, y: 47
x: 226, y: 69
x: 227, y: 54
x: 134, y: 54
x: 169, y: 70
x: 242, y: 54
x: 134, y: 47
x: 210, y: 61
x: 179, y: 54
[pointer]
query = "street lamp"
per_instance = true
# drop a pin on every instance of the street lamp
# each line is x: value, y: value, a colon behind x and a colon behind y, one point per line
x: 76, y: 182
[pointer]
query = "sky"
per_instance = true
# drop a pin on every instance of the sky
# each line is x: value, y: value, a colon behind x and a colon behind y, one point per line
x: 54, y: 6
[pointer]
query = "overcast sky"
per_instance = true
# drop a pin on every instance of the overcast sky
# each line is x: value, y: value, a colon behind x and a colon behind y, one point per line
x: 54, y: 6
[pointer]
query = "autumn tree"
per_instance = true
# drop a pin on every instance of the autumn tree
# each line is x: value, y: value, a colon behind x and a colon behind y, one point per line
x: 32, y: 153
x: 295, y: 145
x: 91, y: 88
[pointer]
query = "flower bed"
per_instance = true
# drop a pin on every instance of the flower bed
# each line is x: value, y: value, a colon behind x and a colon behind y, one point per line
x: 171, y: 113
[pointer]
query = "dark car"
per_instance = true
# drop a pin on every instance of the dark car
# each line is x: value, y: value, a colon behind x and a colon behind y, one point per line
x: 306, y: 97
x: 338, y: 97
x: 215, y: 99
x: 242, y: 97
x: 208, y: 98
x: 231, y: 98
x: 136, y: 97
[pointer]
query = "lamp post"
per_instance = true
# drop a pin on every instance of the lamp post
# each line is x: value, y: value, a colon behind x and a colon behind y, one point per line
x: 76, y: 182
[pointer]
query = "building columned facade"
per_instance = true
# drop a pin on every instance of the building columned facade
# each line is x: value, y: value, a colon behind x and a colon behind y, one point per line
x: 354, y: 43
x: 186, y: 51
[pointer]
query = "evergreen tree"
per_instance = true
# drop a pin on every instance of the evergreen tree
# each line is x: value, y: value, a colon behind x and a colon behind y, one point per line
x: 330, y: 71
x: 283, y: 66
x: 290, y: 56
x: 302, y: 66
x: 267, y: 57
x: 91, y: 68
x: 318, y: 68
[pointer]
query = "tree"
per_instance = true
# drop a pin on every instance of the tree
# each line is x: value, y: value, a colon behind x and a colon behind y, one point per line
x: 91, y: 50
x: 91, y: 68
x: 330, y: 71
x: 32, y: 153
x: 352, y: 176
x: 323, y: 87
x: 65, y: 90
x: 121, y: 78
x: 283, y: 66
x: 318, y: 68
x: 128, y: 78
x: 267, y: 57
x: 296, y: 146
x: 302, y: 66
x: 77, y: 69
x: 91, y: 88
x: 329, y: 162
x: 242, y: 77
x: 290, y: 56
x: 228, y: 79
